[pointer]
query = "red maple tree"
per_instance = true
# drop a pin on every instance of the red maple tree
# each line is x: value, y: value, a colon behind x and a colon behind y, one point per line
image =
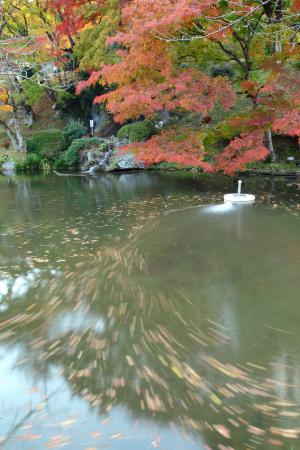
x: 144, y: 79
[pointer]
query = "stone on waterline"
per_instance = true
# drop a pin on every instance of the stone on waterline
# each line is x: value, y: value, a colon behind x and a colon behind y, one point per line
x: 125, y: 162
x: 8, y: 166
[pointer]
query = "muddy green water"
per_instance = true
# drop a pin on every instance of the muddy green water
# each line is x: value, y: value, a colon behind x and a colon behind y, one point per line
x: 137, y: 311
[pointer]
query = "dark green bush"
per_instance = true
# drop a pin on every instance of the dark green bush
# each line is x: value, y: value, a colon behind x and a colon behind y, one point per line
x: 138, y: 131
x: 60, y: 164
x: 49, y: 144
x: 71, y: 157
x: 74, y: 130
x: 32, y: 163
x: 65, y: 100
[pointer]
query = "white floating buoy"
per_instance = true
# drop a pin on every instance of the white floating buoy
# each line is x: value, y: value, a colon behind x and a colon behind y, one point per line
x: 239, y: 197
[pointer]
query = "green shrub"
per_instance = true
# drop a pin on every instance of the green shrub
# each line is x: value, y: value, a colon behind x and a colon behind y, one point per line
x: 60, y: 164
x: 46, y: 166
x: 32, y: 163
x: 138, y: 131
x: 71, y: 157
x: 49, y: 144
x: 64, y: 100
x: 33, y: 92
x: 74, y: 130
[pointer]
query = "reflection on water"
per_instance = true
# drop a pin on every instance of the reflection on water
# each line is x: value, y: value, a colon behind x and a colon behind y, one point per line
x: 222, y: 208
x: 138, y: 311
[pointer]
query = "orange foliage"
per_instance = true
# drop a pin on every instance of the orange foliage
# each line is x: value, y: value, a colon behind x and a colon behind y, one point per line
x: 6, y: 108
x: 289, y: 124
x: 144, y: 79
x: 185, y: 149
x: 241, y: 151
x: 190, y: 90
x: 3, y: 95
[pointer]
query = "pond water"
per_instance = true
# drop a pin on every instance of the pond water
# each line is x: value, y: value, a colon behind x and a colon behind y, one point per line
x: 138, y: 311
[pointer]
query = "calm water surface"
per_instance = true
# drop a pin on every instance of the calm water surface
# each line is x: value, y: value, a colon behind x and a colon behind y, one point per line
x: 137, y: 311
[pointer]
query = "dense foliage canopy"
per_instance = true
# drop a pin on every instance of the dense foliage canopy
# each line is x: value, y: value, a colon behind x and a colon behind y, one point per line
x: 183, y: 57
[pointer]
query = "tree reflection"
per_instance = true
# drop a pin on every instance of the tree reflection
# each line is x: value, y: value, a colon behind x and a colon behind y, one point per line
x: 152, y: 321
x: 106, y: 332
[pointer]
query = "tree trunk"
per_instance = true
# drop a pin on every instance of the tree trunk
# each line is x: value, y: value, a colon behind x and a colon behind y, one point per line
x: 14, y: 131
x: 21, y: 143
x: 27, y: 111
x: 10, y: 134
x: 270, y: 146
x: 278, y: 44
x: 14, y: 134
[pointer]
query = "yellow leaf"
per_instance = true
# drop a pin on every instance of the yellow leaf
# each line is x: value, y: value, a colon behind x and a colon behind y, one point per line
x: 5, y: 108
x: 215, y: 399
x: 178, y: 371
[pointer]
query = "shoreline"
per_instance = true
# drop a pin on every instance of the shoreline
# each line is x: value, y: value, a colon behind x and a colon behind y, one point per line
x: 249, y: 172
x: 274, y: 173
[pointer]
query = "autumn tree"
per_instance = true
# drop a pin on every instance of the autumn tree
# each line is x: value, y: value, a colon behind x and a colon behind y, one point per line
x: 260, y: 39
x: 28, y: 42
x: 137, y: 43
x: 140, y: 68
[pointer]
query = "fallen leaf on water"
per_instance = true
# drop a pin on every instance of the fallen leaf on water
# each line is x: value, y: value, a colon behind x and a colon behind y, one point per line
x: 27, y: 426
x: 275, y: 442
x: 256, y: 431
x: 156, y: 442
x: 106, y: 421
x: 33, y: 390
x: 96, y: 434
x: 130, y: 361
x: 178, y: 372
x: 289, y: 413
x: 215, y: 399
x: 58, y: 441
x: 67, y: 423
x: 256, y: 366
x: 116, y: 436
x: 29, y: 437
x: 227, y: 372
x: 223, y: 447
x: 221, y: 429
x: 285, y: 432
